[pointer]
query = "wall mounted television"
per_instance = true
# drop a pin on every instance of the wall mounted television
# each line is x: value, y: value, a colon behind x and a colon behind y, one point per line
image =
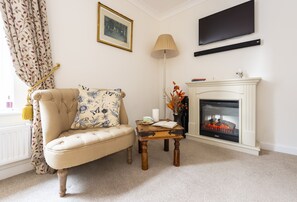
x: 236, y: 21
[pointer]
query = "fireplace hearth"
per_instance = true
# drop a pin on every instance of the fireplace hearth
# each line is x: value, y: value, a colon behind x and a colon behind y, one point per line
x: 220, y: 119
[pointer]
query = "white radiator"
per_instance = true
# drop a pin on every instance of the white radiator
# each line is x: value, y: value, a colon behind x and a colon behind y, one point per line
x: 15, y: 143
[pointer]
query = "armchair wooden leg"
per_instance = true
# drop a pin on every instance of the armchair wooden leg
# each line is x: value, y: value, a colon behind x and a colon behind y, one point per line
x: 129, y: 155
x: 62, y: 175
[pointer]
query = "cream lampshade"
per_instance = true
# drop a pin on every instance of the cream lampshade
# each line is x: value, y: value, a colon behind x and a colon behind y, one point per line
x: 165, y: 45
x: 165, y: 42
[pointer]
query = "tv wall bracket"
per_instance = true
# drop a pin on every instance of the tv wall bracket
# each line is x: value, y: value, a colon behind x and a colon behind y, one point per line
x: 229, y: 47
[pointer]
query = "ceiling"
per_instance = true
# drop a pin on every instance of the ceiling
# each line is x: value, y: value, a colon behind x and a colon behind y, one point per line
x: 161, y: 9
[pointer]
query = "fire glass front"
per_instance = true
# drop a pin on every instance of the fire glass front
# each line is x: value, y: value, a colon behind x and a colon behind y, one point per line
x: 220, y: 119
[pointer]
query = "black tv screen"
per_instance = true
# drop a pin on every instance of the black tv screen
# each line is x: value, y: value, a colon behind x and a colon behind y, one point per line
x: 229, y: 23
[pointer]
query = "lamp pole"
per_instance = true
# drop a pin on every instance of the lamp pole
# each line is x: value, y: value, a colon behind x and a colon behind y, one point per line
x: 164, y: 83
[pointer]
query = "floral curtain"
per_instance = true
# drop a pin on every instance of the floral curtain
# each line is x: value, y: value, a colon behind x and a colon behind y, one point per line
x: 26, y: 28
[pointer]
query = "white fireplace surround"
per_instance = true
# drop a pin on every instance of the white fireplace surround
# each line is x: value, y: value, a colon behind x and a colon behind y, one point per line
x: 243, y: 90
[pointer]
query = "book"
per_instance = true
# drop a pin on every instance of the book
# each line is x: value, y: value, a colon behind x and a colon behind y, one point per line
x: 166, y: 124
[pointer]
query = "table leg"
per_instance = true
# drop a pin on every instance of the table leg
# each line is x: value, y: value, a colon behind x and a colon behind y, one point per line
x: 139, y: 147
x: 176, y: 158
x: 166, y: 144
x: 144, y: 155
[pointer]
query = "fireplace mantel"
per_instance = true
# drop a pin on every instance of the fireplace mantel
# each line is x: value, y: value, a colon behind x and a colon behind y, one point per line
x: 243, y: 90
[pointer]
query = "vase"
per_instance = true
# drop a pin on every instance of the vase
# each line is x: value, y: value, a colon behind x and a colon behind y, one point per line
x: 178, y: 118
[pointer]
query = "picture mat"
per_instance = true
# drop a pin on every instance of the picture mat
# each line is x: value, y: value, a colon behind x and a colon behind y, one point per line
x: 104, y: 12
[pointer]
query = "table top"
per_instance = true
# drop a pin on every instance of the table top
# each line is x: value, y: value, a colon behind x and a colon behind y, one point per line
x: 150, y: 130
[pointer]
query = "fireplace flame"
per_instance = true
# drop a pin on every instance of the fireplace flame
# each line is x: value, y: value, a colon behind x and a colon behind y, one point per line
x: 219, y: 125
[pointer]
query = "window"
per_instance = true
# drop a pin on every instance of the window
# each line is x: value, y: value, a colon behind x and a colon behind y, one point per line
x: 12, y: 89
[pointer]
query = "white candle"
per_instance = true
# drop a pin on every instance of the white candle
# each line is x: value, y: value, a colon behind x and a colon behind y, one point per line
x: 155, y: 115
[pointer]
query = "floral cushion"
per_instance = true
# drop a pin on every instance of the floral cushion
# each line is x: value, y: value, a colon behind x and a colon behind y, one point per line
x: 97, y: 108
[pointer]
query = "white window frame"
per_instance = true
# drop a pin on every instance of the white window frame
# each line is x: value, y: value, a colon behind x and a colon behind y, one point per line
x: 10, y: 83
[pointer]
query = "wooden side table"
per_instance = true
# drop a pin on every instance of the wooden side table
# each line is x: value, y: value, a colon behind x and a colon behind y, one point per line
x: 150, y: 132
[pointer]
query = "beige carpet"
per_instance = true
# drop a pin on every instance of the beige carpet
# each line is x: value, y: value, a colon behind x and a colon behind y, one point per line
x: 207, y: 173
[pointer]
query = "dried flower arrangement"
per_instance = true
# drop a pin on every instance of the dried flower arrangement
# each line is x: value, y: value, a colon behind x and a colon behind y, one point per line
x: 175, y: 99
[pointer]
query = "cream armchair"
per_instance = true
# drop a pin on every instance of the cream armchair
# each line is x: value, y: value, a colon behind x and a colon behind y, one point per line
x: 65, y: 148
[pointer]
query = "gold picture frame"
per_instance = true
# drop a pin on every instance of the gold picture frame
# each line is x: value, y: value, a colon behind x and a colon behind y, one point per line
x: 114, y: 29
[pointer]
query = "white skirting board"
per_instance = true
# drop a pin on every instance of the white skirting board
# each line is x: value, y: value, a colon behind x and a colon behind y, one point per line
x: 16, y: 168
x: 279, y: 148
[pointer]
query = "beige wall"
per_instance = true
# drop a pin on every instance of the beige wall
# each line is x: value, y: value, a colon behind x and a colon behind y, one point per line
x: 274, y: 61
x: 73, y: 30
x: 84, y: 61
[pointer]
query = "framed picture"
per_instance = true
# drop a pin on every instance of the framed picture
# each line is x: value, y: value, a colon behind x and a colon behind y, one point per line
x: 114, y: 28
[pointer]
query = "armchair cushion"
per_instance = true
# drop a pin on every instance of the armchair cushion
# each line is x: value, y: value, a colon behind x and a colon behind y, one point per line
x: 97, y: 108
x: 75, y: 147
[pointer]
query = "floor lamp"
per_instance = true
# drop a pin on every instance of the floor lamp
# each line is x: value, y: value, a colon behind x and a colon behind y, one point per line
x: 165, y: 45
